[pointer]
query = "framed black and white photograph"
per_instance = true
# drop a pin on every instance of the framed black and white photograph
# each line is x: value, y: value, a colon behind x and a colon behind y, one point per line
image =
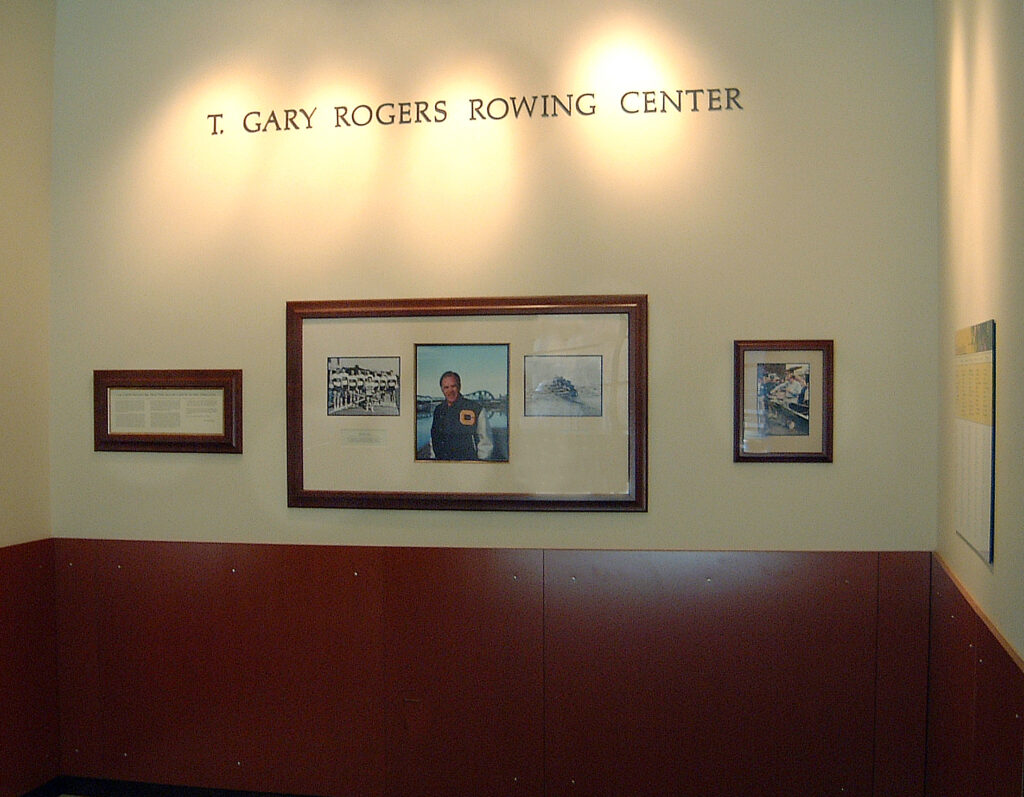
x: 364, y: 385
x: 782, y: 400
x: 574, y: 439
x: 563, y: 385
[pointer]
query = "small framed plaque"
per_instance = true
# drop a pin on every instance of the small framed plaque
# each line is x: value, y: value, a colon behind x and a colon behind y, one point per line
x: 174, y: 410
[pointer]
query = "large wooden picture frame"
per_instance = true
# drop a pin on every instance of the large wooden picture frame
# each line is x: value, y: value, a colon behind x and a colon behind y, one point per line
x: 430, y: 404
x: 193, y: 411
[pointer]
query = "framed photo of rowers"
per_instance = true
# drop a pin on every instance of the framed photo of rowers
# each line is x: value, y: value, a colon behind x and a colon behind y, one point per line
x: 783, y: 401
x: 458, y: 403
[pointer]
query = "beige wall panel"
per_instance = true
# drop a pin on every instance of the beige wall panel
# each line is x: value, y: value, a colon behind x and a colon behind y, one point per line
x: 981, y: 58
x: 808, y: 213
x: 26, y: 95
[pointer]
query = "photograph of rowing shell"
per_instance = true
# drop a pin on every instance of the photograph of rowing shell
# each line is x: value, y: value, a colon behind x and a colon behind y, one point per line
x: 563, y: 385
x: 783, y: 401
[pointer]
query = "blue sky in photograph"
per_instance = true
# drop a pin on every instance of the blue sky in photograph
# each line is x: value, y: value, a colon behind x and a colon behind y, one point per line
x: 481, y: 366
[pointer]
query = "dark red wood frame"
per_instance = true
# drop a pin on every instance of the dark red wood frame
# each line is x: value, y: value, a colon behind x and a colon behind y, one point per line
x: 633, y: 306
x: 740, y: 348
x: 230, y: 381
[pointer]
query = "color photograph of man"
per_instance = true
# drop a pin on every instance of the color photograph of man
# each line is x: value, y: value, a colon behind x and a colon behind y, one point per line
x: 456, y: 426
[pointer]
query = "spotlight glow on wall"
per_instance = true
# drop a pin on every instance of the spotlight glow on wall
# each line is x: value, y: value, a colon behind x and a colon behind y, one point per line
x: 323, y: 179
x: 247, y: 174
x: 177, y: 176
x: 639, y: 141
x: 461, y: 181
x: 976, y: 190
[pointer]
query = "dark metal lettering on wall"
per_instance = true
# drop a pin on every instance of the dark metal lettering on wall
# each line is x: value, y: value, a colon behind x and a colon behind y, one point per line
x: 483, y: 109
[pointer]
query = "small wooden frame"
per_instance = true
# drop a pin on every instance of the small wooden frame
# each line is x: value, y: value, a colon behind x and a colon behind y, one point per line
x: 198, y: 411
x: 782, y: 401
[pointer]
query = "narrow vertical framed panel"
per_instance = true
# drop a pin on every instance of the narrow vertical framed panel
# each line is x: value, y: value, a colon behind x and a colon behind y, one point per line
x: 974, y: 423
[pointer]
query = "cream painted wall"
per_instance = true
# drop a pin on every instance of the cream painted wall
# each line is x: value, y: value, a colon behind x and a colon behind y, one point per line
x: 26, y: 95
x: 981, y: 46
x: 810, y: 213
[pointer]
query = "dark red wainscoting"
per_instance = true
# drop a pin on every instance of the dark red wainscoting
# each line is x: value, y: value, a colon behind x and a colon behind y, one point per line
x: 29, y: 720
x: 730, y: 673
x: 423, y: 671
x: 464, y: 671
x: 975, y: 701
x: 901, y: 706
x: 230, y: 666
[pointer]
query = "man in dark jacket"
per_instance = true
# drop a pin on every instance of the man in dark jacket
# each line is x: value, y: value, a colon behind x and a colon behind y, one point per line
x: 459, y: 430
